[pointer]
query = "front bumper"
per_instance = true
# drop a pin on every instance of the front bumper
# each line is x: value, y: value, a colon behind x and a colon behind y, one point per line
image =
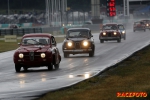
x: 109, y: 38
x: 147, y: 27
x: 139, y: 28
x: 78, y: 51
x: 35, y: 63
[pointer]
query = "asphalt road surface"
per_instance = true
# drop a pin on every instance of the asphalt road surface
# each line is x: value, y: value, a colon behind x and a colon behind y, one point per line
x: 28, y: 85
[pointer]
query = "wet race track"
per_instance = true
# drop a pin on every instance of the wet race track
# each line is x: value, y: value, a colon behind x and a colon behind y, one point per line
x: 28, y: 85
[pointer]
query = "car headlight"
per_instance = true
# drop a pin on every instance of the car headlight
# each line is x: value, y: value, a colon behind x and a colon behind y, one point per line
x: 43, y: 55
x: 69, y: 44
x: 104, y: 33
x: 21, y: 55
x: 147, y: 25
x: 85, y: 43
x: 115, y: 33
x: 123, y: 32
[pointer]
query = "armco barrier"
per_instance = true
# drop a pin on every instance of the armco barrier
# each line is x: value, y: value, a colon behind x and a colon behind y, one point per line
x: 19, y: 31
x: 23, y: 25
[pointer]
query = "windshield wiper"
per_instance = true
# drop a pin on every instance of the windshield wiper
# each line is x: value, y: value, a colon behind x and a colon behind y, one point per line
x: 38, y: 42
x: 32, y: 43
x: 26, y: 43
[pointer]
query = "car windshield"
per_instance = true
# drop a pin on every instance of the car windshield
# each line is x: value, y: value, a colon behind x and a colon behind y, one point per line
x: 36, y: 41
x: 110, y: 27
x: 120, y: 27
x: 146, y: 21
x: 78, y: 34
x: 138, y: 23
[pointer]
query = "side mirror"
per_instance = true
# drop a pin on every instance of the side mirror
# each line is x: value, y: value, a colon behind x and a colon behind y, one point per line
x: 19, y: 44
x: 91, y: 35
x: 54, y: 43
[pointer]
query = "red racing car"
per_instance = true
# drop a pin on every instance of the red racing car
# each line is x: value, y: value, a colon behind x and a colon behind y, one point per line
x: 37, y: 50
x: 147, y: 23
x: 112, y: 32
x: 139, y: 26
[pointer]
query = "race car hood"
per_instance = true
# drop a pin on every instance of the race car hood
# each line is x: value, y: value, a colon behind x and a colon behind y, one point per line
x: 110, y: 30
x: 35, y: 48
x: 77, y: 39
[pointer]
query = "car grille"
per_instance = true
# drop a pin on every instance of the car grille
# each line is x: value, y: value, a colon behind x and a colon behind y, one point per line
x: 77, y: 45
x: 32, y: 56
x: 109, y: 34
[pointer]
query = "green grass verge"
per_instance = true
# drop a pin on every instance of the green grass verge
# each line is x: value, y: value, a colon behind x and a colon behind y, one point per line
x: 131, y: 75
x: 7, y: 46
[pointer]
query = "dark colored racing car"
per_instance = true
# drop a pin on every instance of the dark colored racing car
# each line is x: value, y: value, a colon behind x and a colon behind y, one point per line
x: 78, y: 41
x: 112, y: 32
x: 147, y: 23
x: 37, y: 50
x: 139, y: 26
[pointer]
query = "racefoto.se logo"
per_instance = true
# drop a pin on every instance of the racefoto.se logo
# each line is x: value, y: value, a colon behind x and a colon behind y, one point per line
x: 132, y: 94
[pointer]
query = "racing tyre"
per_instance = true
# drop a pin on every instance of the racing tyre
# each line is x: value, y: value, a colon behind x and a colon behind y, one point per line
x: 91, y: 54
x: 101, y: 41
x: 124, y: 37
x: 50, y: 66
x: 119, y: 40
x: 17, y: 68
x: 25, y: 69
x: 66, y: 55
x: 56, y: 66
x: 133, y: 30
x: 144, y: 30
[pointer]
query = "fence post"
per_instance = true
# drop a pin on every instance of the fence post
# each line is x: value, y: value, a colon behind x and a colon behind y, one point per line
x: 11, y: 31
x: 41, y: 30
x: 23, y: 31
x: 34, y: 30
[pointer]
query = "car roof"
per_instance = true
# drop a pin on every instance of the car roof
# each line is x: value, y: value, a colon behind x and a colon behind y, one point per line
x: 137, y: 21
x: 113, y: 24
x: 37, y: 34
x: 78, y: 29
x: 145, y: 20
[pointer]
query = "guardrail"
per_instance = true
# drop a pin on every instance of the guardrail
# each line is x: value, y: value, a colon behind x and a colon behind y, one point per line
x: 19, y: 31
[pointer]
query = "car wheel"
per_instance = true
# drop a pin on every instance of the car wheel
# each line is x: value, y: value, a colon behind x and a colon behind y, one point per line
x: 56, y: 66
x: 25, y: 68
x: 124, y: 37
x: 101, y: 41
x: 119, y: 40
x: 133, y: 30
x: 50, y: 66
x: 17, y: 68
x: 66, y: 55
x: 91, y: 54
x: 144, y: 30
